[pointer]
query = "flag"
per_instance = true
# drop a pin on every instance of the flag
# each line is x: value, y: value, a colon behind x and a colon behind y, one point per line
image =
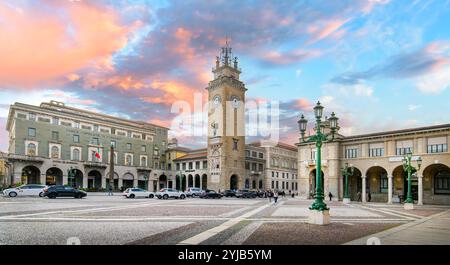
x: 97, y: 154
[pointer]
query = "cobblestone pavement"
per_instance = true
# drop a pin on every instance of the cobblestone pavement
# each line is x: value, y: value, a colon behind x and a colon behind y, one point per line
x: 100, y: 219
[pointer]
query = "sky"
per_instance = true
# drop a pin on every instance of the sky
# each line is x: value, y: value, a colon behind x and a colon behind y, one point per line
x: 378, y: 64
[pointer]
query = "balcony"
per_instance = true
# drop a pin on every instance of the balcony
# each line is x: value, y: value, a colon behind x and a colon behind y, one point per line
x: 144, y: 168
x: 95, y: 164
x: 312, y: 162
x: 26, y: 158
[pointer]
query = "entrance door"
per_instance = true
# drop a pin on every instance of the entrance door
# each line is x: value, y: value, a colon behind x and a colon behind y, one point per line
x: 414, y: 188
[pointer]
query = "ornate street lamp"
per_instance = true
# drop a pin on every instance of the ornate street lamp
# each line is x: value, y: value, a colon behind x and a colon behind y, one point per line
x: 319, y: 212
x: 146, y: 181
x: 407, y: 167
x: 180, y: 180
x: 346, y: 171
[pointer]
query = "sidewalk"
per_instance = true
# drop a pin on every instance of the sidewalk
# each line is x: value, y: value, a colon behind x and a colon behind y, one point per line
x: 103, y: 193
x: 432, y: 230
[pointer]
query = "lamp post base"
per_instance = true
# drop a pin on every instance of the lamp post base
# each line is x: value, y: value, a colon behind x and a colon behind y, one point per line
x: 408, y: 206
x: 317, y: 217
x: 346, y: 200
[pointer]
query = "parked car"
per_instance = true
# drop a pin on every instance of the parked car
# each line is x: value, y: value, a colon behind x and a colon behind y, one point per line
x: 138, y: 192
x: 210, y: 194
x: 63, y: 191
x: 246, y: 194
x: 25, y: 190
x: 192, y: 192
x: 229, y: 193
x: 167, y: 193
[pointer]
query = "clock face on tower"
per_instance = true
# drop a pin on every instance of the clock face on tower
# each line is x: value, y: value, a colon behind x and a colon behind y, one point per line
x: 235, y: 101
x: 217, y: 100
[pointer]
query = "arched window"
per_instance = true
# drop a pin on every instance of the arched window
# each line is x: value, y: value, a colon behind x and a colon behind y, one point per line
x: 143, y: 161
x: 128, y: 160
x: 31, y: 150
x: 76, y: 154
x: 54, y: 152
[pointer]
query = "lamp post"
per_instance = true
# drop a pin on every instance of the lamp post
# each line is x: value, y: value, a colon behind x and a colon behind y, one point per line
x: 319, y: 212
x: 407, y: 167
x: 346, y: 171
x: 180, y: 180
x: 146, y: 181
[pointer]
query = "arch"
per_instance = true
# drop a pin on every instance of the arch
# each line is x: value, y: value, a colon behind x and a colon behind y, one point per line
x: 162, y: 181
x: 376, y: 183
x: 197, y: 181
x: 247, y: 184
x: 143, y: 161
x: 184, y: 183
x: 437, y: 179
x: 77, y: 180
x: 94, y: 179
x: 178, y: 181
x: 355, y: 185
x: 115, y: 180
x: 204, y: 181
x: 234, y: 182
x: 400, y: 183
x: 127, y: 180
x: 260, y: 186
x: 53, y: 176
x: 312, y: 181
x: 190, y: 181
x: 31, y: 175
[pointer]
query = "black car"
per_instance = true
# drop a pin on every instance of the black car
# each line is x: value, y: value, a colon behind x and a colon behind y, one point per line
x: 229, y: 193
x: 63, y: 191
x: 246, y: 194
x: 210, y: 194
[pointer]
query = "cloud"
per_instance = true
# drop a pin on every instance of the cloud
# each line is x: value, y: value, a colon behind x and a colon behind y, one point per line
x: 38, y: 46
x: 429, y: 59
x: 413, y: 107
x: 435, y: 82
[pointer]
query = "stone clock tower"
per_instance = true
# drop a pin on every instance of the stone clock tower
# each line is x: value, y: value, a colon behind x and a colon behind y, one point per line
x: 226, y: 124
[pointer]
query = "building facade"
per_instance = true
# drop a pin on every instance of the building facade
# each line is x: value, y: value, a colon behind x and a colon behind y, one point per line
x: 47, y: 141
x: 377, y: 161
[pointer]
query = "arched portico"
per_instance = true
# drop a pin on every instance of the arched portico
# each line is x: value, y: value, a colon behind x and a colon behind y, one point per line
x: 435, y: 184
x: 94, y: 179
x: 376, y: 182
x: 54, y: 176
x: 162, y: 181
x: 127, y: 180
x: 204, y: 181
x: 234, y: 182
x: 197, y: 181
x: 312, y: 181
x: 31, y: 175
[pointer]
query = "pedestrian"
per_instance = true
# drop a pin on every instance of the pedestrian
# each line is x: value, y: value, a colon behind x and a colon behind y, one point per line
x: 359, y: 196
x: 275, y: 196
x: 110, y: 192
x: 269, y: 195
x: 293, y: 195
x: 369, y: 196
x: 330, y: 195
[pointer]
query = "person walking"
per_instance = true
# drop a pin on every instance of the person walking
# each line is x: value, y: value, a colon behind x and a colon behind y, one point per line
x: 369, y: 197
x: 110, y: 191
x: 330, y: 195
x: 275, y: 196
x: 269, y: 195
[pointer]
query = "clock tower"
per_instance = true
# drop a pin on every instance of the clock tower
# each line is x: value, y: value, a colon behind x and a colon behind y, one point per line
x: 226, y: 124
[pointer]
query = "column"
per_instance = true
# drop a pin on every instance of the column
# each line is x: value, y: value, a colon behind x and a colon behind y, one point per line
x: 390, y: 189
x: 120, y: 183
x: 43, y: 179
x: 363, y: 198
x: 420, y: 178
x: 103, y: 184
x: 135, y: 182
x: 65, y: 179
x: 150, y: 184
x: 85, y: 181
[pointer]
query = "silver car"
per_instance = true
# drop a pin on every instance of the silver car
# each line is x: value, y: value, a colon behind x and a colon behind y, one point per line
x: 26, y: 190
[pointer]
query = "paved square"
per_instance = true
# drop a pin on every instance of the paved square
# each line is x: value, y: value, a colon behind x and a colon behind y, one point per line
x: 100, y: 219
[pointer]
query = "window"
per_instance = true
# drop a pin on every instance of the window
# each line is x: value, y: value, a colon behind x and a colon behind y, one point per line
x: 178, y: 166
x: 273, y: 174
x: 54, y: 152
x: 442, y: 182
x: 55, y: 121
x: 129, y: 146
x: 55, y: 136
x: 253, y: 166
x: 76, y: 125
x: 205, y: 164
x: 156, y: 151
x: 113, y: 143
x: 93, y: 157
x: 76, y: 154
x: 32, y: 117
x: 261, y: 167
x: 32, y: 132
x: 95, y: 128
x: 76, y: 138
x: 247, y: 165
x: 190, y: 165
x: 143, y: 161
x: 128, y: 160
x: 351, y: 152
x: 197, y: 165
x: 437, y: 148
x: 31, y: 149
x: 254, y: 154
x: 261, y: 155
x: 235, y: 144
x: 184, y: 166
x: 95, y: 141
x: 403, y: 150
x: 143, y: 148
x: 247, y: 153
x: 374, y: 152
